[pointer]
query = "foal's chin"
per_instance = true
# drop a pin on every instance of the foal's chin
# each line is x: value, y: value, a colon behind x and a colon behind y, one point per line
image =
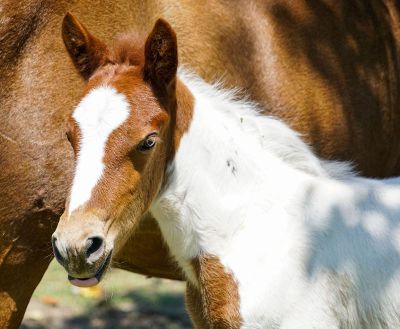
x: 93, y: 275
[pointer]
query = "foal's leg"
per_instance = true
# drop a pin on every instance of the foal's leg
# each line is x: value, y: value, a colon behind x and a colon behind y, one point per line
x: 194, y: 307
x: 215, y: 303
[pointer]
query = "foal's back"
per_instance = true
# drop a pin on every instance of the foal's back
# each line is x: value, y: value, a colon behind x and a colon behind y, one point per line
x: 353, y: 264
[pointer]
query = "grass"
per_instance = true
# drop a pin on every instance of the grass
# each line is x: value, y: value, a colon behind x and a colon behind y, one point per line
x: 123, y: 300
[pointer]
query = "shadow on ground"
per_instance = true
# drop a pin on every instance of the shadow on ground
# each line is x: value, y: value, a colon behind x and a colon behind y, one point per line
x: 163, y: 310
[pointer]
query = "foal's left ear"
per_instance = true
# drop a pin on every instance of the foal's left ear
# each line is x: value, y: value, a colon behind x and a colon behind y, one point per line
x: 161, y: 57
x: 86, y: 51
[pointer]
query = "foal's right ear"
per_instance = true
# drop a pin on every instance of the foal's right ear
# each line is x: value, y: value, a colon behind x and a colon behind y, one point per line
x: 86, y: 51
x: 161, y: 57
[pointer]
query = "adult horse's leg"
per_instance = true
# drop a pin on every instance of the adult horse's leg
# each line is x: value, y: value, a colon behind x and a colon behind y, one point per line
x: 23, y: 260
x: 28, y: 215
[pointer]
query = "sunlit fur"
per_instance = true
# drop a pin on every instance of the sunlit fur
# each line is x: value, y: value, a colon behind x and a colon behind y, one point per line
x: 309, y: 244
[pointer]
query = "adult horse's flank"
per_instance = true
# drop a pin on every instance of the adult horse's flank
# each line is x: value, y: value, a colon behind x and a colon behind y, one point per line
x: 267, y: 234
x: 329, y: 68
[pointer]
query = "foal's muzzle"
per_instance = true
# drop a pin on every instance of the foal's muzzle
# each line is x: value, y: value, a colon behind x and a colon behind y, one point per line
x: 85, y: 259
x: 89, y: 252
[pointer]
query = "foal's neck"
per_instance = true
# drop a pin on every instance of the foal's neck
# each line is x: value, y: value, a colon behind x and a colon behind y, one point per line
x: 221, y: 177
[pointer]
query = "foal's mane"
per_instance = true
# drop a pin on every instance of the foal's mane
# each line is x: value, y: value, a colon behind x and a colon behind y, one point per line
x: 277, y: 137
x: 128, y: 48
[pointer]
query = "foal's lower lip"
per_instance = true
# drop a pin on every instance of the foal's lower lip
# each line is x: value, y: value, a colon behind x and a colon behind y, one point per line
x: 90, y: 282
x: 83, y: 283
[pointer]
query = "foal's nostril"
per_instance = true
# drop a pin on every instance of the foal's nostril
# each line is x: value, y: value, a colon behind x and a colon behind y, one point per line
x: 56, y: 251
x: 94, y: 246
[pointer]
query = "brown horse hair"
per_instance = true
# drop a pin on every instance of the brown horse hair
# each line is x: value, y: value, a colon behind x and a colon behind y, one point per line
x: 214, y: 302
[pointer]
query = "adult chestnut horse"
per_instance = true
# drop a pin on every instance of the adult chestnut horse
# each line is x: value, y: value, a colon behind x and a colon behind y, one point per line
x: 328, y: 67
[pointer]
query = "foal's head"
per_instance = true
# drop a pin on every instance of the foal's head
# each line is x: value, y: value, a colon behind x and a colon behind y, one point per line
x: 122, y: 133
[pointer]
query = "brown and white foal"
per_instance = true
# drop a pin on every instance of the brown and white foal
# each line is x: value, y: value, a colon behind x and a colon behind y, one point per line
x: 124, y: 133
x: 267, y: 235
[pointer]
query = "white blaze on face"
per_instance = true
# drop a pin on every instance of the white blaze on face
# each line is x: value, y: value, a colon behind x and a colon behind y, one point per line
x: 99, y: 113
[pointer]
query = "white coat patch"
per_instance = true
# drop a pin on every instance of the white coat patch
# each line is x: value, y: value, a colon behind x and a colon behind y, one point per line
x: 98, y: 114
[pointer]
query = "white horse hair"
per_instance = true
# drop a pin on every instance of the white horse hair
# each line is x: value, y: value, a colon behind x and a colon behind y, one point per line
x: 310, y: 244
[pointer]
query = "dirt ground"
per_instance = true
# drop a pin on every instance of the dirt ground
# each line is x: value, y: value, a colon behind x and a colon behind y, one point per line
x: 123, y: 300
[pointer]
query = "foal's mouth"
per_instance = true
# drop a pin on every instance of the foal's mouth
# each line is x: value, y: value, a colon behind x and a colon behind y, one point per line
x: 94, y: 280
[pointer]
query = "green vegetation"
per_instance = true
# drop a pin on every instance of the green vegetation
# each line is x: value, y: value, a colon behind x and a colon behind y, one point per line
x: 124, y: 300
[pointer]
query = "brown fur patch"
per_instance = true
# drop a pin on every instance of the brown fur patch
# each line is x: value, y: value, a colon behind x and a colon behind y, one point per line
x: 185, y: 105
x: 18, y: 23
x: 218, y: 290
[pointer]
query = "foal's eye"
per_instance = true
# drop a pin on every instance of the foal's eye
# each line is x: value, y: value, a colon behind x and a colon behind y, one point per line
x: 148, y: 143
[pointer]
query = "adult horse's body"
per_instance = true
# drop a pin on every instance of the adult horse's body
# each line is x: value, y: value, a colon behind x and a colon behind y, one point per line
x: 329, y: 68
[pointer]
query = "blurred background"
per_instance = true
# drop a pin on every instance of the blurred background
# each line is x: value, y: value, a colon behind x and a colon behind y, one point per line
x: 122, y: 300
